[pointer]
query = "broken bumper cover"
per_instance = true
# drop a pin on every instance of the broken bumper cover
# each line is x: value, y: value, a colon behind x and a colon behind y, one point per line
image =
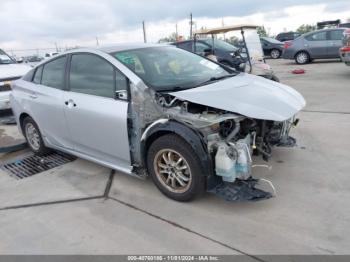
x: 240, y: 190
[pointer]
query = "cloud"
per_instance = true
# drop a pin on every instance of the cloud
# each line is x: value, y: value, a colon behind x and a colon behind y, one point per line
x: 35, y: 23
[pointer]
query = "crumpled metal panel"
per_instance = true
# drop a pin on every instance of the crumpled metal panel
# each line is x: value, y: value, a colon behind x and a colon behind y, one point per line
x: 248, y: 95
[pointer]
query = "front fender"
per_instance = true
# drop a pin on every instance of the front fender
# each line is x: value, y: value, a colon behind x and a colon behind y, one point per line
x: 191, y: 136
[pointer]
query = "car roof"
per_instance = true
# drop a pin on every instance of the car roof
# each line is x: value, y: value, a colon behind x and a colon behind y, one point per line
x: 130, y: 46
x: 113, y: 48
x: 325, y: 29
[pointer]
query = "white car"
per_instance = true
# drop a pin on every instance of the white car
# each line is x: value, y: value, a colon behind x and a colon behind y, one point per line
x: 9, y: 71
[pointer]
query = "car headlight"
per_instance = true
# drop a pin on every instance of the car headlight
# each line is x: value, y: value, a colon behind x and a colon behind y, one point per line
x: 5, y: 86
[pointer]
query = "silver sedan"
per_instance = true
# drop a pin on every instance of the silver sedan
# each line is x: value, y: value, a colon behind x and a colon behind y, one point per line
x: 188, y: 122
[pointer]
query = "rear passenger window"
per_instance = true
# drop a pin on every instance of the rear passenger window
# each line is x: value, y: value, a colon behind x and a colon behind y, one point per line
x: 321, y: 36
x: 336, y: 35
x: 53, y: 73
x: 90, y: 74
x: 37, y: 75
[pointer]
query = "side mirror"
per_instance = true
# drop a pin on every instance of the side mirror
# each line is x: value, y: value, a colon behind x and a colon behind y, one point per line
x: 122, y: 94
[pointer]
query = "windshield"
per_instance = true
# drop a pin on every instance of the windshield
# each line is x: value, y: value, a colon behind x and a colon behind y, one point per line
x: 4, y: 58
x: 219, y: 44
x: 272, y: 40
x: 169, y: 68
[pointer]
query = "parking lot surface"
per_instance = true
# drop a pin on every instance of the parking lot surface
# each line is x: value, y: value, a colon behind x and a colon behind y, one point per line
x: 83, y: 208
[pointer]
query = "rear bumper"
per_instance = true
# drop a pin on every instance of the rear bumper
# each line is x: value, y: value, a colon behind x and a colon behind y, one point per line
x: 345, y: 56
x: 5, y: 100
x: 288, y: 53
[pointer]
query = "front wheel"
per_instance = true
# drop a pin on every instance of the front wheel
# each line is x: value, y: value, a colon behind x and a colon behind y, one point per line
x: 175, y: 168
x: 275, y: 53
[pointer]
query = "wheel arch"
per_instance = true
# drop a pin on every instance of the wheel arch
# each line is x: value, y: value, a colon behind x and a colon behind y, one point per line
x: 302, y: 50
x: 188, y: 134
x: 21, y: 118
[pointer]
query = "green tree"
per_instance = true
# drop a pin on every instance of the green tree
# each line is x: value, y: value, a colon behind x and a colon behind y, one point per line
x: 305, y: 28
x: 170, y: 38
x: 262, y: 31
x: 233, y: 40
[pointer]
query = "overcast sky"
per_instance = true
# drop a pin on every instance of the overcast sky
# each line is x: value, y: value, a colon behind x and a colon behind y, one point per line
x: 39, y: 23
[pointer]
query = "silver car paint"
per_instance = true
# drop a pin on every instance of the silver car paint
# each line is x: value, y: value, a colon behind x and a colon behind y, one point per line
x: 248, y: 95
x: 316, y: 49
x: 96, y: 145
x: 31, y: 99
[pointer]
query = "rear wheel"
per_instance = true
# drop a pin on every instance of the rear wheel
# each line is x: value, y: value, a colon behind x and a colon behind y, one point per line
x: 302, y: 58
x: 275, y: 53
x: 33, y: 136
x: 175, y: 168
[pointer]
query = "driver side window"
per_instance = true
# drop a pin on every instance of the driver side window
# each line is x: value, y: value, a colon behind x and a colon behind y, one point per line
x: 91, y: 74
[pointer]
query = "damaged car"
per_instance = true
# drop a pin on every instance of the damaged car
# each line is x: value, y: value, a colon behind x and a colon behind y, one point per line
x: 189, y: 123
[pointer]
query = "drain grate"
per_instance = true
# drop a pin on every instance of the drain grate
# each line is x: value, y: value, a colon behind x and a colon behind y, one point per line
x: 31, y: 165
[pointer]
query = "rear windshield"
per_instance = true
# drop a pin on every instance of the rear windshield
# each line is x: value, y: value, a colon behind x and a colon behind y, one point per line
x: 272, y: 40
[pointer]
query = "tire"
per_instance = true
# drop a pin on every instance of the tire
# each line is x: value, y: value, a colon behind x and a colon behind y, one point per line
x: 33, y: 136
x: 302, y: 58
x: 275, y: 53
x: 167, y: 174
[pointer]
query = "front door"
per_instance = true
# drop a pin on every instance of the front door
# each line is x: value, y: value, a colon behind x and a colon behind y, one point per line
x: 96, y: 117
x: 335, y: 42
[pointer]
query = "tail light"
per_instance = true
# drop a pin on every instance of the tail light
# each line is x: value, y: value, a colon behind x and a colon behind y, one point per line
x: 287, y: 44
x: 345, y: 49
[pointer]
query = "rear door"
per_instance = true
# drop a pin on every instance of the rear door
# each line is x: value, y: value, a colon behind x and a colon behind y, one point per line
x: 44, y: 101
x: 335, y: 38
x: 316, y: 44
x: 96, y: 109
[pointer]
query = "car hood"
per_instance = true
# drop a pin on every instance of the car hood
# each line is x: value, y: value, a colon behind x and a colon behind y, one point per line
x: 13, y: 70
x: 248, y: 95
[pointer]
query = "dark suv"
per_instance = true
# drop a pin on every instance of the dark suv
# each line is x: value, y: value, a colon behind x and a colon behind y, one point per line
x: 287, y: 36
x: 225, y: 53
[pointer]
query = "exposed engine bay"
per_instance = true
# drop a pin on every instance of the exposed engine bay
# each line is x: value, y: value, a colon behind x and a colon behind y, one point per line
x: 231, y: 139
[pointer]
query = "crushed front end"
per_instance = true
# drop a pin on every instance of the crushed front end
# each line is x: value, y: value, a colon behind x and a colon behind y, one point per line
x: 231, y: 141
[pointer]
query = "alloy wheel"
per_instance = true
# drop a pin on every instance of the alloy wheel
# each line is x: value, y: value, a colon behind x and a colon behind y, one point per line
x: 32, y: 136
x: 275, y: 54
x: 302, y: 58
x: 172, y: 170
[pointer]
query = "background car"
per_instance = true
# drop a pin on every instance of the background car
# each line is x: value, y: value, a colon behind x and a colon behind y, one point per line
x: 48, y: 55
x: 225, y: 53
x: 287, y: 36
x: 345, y: 50
x: 271, y: 47
x: 320, y: 44
x: 9, y: 70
